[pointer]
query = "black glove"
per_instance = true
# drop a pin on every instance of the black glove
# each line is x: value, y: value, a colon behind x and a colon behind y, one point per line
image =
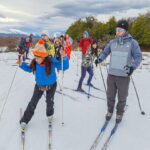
x: 58, y: 52
x: 47, y: 46
x: 96, y: 62
x: 129, y: 70
x: 58, y: 55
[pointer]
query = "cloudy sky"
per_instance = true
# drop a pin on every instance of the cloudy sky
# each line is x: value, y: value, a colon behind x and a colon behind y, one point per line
x: 56, y: 15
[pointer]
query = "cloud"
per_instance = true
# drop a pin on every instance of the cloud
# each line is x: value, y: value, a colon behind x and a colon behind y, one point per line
x: 7, y: 20
x: 82, y: 8
x: 37, y: 15
x: 11, y: 12
x: 17, y: 31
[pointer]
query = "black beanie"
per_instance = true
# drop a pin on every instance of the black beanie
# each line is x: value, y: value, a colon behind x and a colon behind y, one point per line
x: 123, y: 24
x: 94, y: 42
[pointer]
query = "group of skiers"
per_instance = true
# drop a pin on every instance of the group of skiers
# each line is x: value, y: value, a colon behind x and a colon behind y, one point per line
x: 24, y: 46
x: 125, y: 57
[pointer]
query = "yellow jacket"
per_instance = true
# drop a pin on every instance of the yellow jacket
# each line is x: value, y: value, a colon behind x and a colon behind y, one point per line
x: 50, y: 48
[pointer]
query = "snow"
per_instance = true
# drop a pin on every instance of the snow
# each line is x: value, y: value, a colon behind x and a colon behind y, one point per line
x: 3, y: 49
x: 83, y: 117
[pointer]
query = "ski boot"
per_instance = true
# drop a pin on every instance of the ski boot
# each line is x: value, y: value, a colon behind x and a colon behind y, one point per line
x: 50, y: 118
x: 119, y: 118
x: 108, y: 116
x: 23, y: 126
x: 90, y: 84
x: 80, y: 90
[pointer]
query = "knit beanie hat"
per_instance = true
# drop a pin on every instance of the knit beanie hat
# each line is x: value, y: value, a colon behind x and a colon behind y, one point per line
x: 86, y: 34
x: 39, y: 49
x: 94, y: 42
x: 123, y: 24
x: 57, y: 40
x: 45, y: 32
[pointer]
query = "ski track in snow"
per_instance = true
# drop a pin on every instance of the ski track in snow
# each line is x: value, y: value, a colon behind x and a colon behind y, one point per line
x: 83, y: 118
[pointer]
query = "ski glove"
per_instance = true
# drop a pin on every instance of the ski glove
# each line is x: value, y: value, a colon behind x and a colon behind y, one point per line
x: 97, y: 61
x: 47, y: 46
x: 129, y: 70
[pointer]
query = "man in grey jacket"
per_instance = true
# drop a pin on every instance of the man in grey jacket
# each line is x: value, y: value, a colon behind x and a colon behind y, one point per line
x: 125, y: 57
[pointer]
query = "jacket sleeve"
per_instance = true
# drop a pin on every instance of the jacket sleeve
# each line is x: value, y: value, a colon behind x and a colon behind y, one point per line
x: 25, y: 67
x: 136, y: 54
x: 91, y: 40
x: 58, y: 64
x: 80, y: 43
x: 105, y: 52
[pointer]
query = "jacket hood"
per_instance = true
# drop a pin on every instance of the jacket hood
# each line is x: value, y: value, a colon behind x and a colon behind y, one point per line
x: 123, y: 39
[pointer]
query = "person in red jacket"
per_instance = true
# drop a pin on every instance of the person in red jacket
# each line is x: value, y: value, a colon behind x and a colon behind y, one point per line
x: 86, y: 46
x: 85, y: 42
x: 68, y: 45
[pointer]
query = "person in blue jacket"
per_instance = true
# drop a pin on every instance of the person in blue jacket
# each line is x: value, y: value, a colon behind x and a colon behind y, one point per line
x: 43, y: 67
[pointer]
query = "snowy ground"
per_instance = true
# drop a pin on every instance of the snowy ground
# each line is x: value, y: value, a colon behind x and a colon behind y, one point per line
x: 3, y: 49
x: 83, y: 117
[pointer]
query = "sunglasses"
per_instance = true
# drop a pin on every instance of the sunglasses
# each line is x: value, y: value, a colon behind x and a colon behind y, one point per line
x: 120, y: 30
x: 43, y: 35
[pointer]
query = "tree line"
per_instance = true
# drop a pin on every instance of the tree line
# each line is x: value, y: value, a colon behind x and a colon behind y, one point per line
x: 139, y: 28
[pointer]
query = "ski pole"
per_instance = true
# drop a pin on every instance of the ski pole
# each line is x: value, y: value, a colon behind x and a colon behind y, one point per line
x: 94, y: 73
x: 93, y: 68
x: 102, y: 77
x: 142, y: 112
x: 58, y: 81
x: 106, y: 66
x: 8, y: 93
x: 77, y: 62
x: 88, y: 94
x: 74, y: 57
x: 62, y: 94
